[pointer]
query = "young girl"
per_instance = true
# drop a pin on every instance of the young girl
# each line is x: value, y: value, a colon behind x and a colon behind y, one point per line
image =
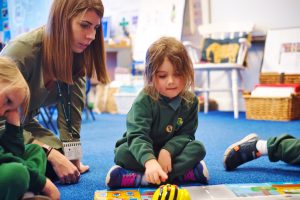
x: 22, y: 168
x: 55, y: 60
x: 159, y: 144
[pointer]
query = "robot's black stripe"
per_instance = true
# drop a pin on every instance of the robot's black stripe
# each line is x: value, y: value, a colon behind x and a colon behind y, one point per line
x: 168, y: 194
x: 160, y: 193
x: 176, y: 193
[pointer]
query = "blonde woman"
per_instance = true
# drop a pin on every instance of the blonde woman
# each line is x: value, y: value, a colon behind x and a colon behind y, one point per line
x: 22, y: 167
x: 54, y: 60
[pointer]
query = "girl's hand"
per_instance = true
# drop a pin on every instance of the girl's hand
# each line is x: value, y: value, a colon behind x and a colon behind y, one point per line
x: 154, y: 173
x: 13, y: 117
x: 51, y: 190
x: 82, y: 168
x: 66, y: 171
x: 165, y: 160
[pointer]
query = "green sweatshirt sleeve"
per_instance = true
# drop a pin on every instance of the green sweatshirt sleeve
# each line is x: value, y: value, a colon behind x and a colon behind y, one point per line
x: 12, y: 139
x: 139, y: 120
x: 37, y: 176
x: 77, y: 105
x: 32, y: 156
x: 35, y: 161
x: 186, y: 133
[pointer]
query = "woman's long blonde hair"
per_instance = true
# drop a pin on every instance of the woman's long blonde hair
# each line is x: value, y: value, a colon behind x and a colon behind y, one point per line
x: 57, y: 56
x: 175, y: 51
x: 11, y: 74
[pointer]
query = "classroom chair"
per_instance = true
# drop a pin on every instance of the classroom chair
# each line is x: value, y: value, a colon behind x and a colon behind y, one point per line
x: 224, y: 48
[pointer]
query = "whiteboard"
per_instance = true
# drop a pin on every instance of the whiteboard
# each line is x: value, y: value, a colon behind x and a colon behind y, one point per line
x: 157, y: 18
x: 282, y: 51
x: 265, y: 14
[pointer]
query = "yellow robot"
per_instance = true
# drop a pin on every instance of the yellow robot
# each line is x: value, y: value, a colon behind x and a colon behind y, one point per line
x: 171, y: 192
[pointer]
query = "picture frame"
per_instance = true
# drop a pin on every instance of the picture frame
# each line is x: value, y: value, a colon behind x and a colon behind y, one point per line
x: 282, y: 51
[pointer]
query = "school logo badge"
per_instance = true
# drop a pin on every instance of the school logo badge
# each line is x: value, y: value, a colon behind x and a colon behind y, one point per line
x: 179, y: 121
x: 169, y: 128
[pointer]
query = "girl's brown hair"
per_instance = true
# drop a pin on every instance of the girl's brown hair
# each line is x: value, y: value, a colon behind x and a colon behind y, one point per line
x: 175, y: 51
x: 11, y: 74
x: 57, y: 56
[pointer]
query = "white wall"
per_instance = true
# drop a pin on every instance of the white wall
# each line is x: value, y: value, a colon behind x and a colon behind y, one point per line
x: 266, y: 14
x: 119, y: 9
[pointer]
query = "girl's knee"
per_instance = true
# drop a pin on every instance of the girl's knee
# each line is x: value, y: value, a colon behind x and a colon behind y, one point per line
x: 198, y: 148
x: 119, y: 156
x: 122, y: 152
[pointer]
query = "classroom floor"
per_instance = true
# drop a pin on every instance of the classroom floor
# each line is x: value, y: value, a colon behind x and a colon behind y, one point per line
x: 217, y: 130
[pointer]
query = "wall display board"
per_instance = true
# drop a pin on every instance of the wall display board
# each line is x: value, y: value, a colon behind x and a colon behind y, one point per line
x: 157, y: 18
x: 27, y: 15
x: 4, y: 25
x: 282, y: 51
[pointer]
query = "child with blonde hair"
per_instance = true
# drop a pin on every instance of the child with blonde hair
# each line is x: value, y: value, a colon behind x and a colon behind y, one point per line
x: 159, y: 145
x: 22, y: 167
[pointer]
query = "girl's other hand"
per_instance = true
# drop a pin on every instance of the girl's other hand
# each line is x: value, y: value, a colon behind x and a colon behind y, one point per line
x: 154, y: 173
x: 165, y: 160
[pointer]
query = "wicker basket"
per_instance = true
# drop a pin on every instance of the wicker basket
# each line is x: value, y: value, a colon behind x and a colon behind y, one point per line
x: 273, y: 78
x: 276, y: 108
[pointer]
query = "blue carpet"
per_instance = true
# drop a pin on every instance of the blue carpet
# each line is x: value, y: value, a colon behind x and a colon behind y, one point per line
x: 217, y: 130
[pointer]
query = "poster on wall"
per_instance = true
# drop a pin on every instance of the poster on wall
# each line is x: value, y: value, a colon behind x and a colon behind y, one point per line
x: 4, y: 25
x: 282, y: 51
x: 123, y: 18
x: 27, y: 15
x: 157, y: 18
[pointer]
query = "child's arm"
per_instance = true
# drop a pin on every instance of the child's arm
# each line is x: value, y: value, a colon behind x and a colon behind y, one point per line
x: 154, y: 173
x: 13, y: 142
x: 139, y: 121
x: 12, y: 139
x: 51, y: 190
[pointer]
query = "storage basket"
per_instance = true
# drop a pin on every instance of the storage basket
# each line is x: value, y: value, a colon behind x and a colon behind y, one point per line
x: 273, y: 78
x: 272, y: 108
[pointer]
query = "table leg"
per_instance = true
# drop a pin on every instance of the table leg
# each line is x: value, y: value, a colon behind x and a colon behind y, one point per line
x: 235, y: 90
x: 206, y: 91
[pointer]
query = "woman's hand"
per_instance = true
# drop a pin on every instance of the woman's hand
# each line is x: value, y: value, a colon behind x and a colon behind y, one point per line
x: 154, y: 173
x: 51, y: 190
x: 66, y: 171
x: 82, y: 168
x: 165, y: 160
